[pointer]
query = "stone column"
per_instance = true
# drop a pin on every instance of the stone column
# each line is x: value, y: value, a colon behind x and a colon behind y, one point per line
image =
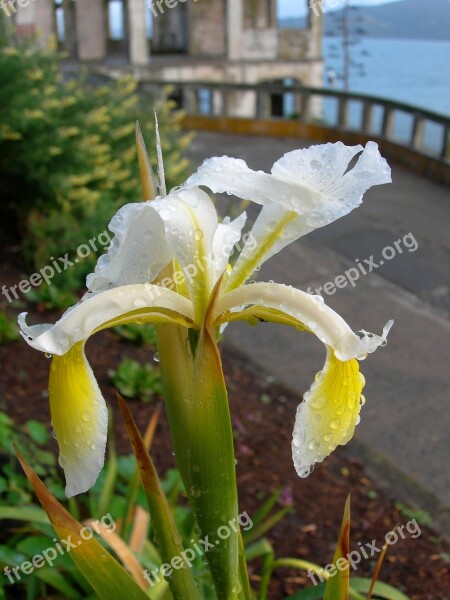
x: 90, y: 25
x: 25, y: 19
x: 45, y: 21
x: 235, y: 29
x: 137, y: 32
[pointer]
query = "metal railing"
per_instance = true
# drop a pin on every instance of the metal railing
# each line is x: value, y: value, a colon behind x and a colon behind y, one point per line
x: 417, y: 129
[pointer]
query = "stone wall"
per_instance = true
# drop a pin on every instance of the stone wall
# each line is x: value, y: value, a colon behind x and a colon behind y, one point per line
x: 206, y: 28
x: 293, y: 44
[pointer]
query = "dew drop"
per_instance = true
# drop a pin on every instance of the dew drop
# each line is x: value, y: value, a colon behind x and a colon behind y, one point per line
x: 195, y: 491
x: 313, y: 444
x: 335, y: 423
x: 198, y: 234
x: 156, y: 357
x: 48, y: 355
x: 305, y: 472
x: 86, y: 417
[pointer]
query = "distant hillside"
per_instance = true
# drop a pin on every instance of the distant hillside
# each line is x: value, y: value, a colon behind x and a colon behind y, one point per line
x: 412, y: 19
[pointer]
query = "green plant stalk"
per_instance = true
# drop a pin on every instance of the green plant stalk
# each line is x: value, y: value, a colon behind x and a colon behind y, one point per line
x: 198, y: 412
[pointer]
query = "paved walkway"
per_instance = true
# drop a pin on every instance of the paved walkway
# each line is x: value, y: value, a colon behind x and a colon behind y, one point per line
x: 405, y: 426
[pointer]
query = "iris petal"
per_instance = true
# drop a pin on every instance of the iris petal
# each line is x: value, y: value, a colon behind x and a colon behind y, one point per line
x: 129, y: 303
x: 328, y: 414
x: 308, y: 311
x: 79, y: 418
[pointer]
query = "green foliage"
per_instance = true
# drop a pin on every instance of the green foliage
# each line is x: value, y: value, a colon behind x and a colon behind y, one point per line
x: 67, y: 155
x: 135, y: 380
x: 8, y: 329
x: 421, y: 516
x: 141, y: 335
x: 33, y: 437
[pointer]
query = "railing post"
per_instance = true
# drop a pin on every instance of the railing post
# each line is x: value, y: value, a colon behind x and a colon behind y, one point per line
x: 387, y: 129
x: 418, y: 132
x: 191, y: 102
x: 217, y: 101
x: 343, y: 113
x: 367, y: 116
x: 304, y: 107
x: 445, y: 151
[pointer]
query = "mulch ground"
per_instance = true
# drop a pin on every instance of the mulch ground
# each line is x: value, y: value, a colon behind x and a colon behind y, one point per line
x: 263, y: 415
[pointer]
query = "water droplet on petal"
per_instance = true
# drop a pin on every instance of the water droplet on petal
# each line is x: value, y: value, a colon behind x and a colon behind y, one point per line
x: 48, y: 355
x: 335, y: 424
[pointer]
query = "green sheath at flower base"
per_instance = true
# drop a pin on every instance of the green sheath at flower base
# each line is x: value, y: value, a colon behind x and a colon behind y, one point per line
x: 169, y: 264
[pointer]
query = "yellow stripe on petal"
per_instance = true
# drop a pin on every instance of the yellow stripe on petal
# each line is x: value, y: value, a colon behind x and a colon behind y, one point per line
x: 329, y: 413
x: 79, y: 418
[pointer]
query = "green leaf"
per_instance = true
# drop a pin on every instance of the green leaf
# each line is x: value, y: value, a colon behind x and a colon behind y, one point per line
x: 381, y: 590
x: 312, y: 593
x: 37, y: 431
x: 338, y: 584
x: 109, y: 580
x: 30, y: 514
x: 59, y: 582
x: 168, y: 539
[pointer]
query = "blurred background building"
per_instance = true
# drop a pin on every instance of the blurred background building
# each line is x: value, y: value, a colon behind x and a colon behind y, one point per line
x: 210, y: 40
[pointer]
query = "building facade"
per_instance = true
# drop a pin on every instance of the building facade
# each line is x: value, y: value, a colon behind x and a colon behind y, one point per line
x: 192, y: 40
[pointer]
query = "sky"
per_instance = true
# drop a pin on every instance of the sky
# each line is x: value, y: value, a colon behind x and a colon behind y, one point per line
x: 296, y: 8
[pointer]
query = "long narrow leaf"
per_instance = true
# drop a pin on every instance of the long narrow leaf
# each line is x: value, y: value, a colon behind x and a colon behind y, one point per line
x: 168, y: 539
x: 338, y: 584
x: 148, y: 183
x: 109, y: 580
x: 381, y: 590
x: 120, y: 548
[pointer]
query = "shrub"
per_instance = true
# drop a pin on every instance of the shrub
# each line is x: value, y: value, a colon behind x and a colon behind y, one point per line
x: 67, y: 154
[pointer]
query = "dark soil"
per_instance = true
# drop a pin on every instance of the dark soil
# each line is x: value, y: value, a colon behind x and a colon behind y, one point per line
x: 263, y: 415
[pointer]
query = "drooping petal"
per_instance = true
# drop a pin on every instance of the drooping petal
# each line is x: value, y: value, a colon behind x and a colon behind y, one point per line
x: 138, y: 251
x: 308, y: 310
x: 329, y: 413
x: 131, y: 303
x: 79, y: 418
x: 330, y: 409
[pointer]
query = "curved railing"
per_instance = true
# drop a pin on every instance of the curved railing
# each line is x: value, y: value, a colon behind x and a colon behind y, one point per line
x: 414, y: 128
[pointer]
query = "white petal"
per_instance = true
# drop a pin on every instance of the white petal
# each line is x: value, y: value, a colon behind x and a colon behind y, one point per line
x: 233, y: 176
x: 81, y: 320
x: 347, y: 192
x: 317, y: 167
x: 190, y: 219
x: 228, y: 234
x: 138, y: 251
x: 310, y: 310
